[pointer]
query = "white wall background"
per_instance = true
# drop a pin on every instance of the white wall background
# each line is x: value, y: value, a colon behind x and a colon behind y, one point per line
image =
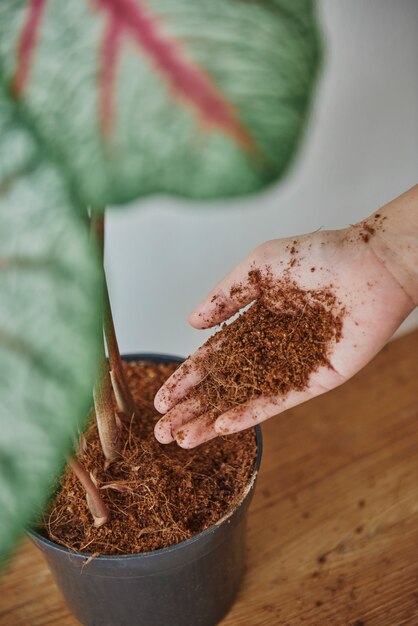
x: 361, y: 150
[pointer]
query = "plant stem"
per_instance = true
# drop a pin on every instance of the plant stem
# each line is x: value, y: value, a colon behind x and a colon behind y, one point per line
x: 97, y: 507
x: 124, y: 400
x: 109, y: 432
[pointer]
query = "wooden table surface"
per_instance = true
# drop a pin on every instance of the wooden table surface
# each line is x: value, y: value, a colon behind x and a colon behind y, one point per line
x: 333, y: 527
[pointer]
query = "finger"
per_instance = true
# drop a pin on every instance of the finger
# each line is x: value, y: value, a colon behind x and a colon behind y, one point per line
x: 197, y: 431
x: 237, y: 289
x: 167, y: 426
x: 257, y: 411
x: 189, y: 374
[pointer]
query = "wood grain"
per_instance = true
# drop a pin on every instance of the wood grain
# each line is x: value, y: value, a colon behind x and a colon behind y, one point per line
x: 333, y: 528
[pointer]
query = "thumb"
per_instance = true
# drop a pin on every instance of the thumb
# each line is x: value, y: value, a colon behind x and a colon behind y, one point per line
x: 238, y: 288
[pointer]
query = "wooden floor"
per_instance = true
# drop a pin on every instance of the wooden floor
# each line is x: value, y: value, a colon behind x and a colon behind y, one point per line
x: 333, y: 528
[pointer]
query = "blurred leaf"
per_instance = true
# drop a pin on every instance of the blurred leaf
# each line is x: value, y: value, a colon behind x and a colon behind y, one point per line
x: 202, y: 99
x: 49, y: 327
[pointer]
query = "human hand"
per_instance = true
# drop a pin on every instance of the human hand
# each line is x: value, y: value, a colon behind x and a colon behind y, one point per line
x: 346, y: 263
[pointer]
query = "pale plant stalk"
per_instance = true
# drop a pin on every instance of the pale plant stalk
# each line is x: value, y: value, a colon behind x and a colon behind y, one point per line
x: 95, y: 502
x: 124, y: 400
x: 106, y: 419
x: 108, y: 424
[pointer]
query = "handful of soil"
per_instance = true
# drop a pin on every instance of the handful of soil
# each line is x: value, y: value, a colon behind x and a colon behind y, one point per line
x: 270, y: 349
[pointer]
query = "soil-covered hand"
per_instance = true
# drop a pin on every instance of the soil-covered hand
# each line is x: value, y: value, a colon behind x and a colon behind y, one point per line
x: 327, y: 303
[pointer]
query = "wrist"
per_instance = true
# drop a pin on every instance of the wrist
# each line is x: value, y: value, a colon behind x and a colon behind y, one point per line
x: 392, y: 233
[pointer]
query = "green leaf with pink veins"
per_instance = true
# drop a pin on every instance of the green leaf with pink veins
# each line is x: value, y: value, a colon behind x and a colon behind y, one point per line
x: 49, y: 327
x: 200, y: 99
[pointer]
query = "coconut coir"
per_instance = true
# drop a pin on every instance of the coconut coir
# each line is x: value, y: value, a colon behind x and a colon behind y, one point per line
x: 272, y: 348
x: 157, y: 495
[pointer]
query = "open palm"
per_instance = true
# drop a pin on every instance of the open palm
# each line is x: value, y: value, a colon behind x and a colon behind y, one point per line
x: 342, y: 261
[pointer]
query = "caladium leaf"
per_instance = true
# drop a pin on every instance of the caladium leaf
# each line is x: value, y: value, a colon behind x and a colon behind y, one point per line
x: 133, y: 97
x: 50, y: 302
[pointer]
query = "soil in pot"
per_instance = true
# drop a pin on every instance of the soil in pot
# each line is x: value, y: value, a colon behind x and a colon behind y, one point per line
x: 157, y: 495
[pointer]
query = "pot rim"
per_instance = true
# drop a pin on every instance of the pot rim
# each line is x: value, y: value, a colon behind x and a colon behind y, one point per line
x: 144, y: 356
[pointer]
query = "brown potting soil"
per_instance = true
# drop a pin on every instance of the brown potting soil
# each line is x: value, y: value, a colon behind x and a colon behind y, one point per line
x: 157, y: 495
x: 272, y: 348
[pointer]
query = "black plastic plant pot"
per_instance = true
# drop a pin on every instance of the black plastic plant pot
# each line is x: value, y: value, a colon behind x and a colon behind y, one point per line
x: 192, y: 583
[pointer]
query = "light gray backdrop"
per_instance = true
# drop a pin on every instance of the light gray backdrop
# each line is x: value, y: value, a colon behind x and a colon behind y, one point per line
x: 360, y: 150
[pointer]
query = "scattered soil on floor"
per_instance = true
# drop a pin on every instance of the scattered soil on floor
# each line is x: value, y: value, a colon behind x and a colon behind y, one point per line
x: 157, y: 495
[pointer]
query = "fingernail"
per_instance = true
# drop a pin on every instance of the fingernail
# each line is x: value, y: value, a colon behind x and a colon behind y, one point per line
x: 162, y: 434
x: 161, y: 403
